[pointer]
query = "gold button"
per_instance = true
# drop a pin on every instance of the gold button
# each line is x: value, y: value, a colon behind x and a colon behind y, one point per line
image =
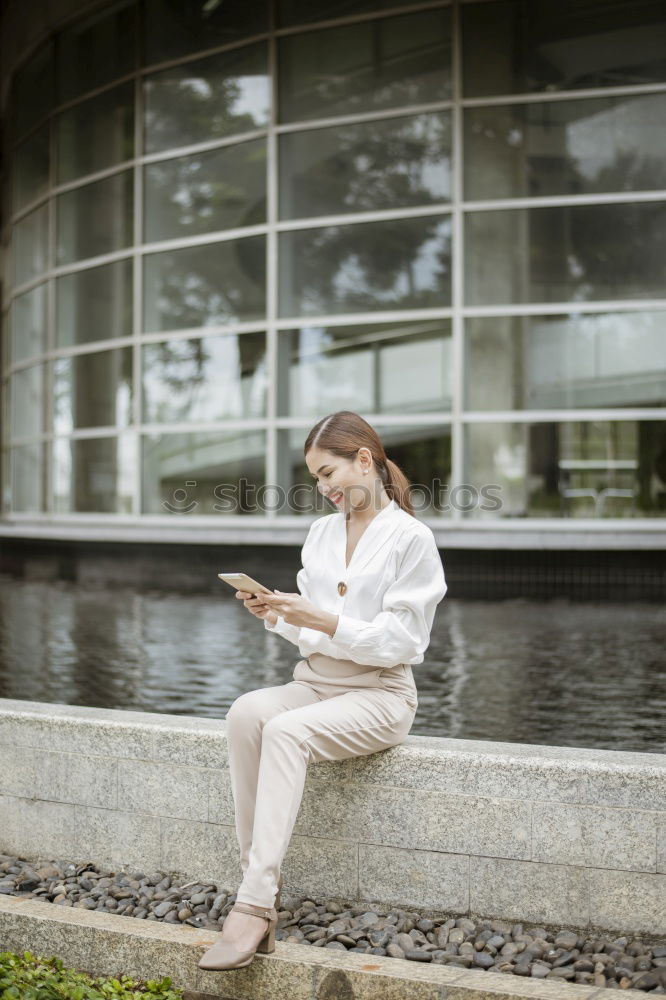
x: 342, y: 589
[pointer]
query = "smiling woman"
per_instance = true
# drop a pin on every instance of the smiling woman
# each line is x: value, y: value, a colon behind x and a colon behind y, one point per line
x: 368, y: 590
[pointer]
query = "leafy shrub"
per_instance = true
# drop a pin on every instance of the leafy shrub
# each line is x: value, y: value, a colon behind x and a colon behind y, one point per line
x: 29, y: 977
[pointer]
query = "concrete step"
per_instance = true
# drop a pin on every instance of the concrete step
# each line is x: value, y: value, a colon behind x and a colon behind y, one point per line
x: 109, y: 945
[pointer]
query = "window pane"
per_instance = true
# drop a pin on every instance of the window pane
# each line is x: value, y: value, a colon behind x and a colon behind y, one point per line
x: 94, y: 475
x: 575, y: 469
x: 96, y: 51
x: 31, y: 245
x: 565, y: 147
x: 294, y: 12
x: 95, y: 219
x: 207, y: 472
x: 28, y: 325
x: 205, y: 286
x: 208, y: 99
x: 401, y: 263
x: 397, y: 163
x: 27, y: 477
x: 580, y: 252
x: 92, y: 390
x: 32, y: 91
x: 387, y: 63
x: 96, y: 134
x: 223, y: 189
x: 176, y: 27
x: 95, y: 304
x: 559, y: 362
x: 379, y: 368
x: 525, y: 45
x: 207, y: 378
x: 26, y: 392
x: 423, y: 453
x: 30, y: 169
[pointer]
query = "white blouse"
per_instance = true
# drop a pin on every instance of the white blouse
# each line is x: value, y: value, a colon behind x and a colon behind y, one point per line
x: 394, y: 582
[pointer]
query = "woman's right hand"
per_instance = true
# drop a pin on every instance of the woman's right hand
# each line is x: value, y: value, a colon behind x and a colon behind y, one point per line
x: 257, y: 607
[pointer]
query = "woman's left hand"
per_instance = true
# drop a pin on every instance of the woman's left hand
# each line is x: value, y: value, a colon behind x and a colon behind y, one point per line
x: 294, y: 608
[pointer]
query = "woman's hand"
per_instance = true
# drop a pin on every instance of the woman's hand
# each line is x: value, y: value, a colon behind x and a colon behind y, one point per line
x: 257, y: 607
x: 297, y: 610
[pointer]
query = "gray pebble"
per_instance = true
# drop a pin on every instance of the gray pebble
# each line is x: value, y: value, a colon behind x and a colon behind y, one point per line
x: 562, y: 972
x: 496, y: 941
x: 565, y: 959
x: 418, y: 955
x: 567, y: 939
x: 404, y: 941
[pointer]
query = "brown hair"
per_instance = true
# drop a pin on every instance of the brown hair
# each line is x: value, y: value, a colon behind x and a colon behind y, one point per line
x: 343, y: 433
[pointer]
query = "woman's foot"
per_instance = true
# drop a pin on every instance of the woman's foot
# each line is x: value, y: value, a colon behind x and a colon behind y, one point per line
x: 243, y: 930
x: 247, y: 929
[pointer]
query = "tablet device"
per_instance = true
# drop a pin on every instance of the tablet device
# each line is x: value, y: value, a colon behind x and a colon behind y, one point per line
x: 241, y: 581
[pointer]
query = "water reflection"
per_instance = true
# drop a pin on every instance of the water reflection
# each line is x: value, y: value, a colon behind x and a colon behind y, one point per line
x: 554, y: 673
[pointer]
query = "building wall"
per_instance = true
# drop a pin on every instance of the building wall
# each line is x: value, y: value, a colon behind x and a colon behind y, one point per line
x: 448, y: 217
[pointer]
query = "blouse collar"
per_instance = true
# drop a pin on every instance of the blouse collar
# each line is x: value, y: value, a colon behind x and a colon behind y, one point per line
x: 377, y: 534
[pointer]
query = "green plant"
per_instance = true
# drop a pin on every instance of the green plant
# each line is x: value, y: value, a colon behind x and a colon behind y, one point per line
x: 30, y: 977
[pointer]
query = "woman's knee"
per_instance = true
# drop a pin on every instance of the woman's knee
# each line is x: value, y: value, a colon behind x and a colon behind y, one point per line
x: 284, y: 727
x: 246, y: 707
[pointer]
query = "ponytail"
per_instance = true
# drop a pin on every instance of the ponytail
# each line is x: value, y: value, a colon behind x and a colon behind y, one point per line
x: 398, y: 486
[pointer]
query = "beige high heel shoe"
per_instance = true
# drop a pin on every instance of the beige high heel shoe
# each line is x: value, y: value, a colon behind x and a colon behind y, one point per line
x: 223, y: 955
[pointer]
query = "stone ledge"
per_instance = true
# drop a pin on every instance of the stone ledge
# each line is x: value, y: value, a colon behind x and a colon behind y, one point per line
x: 113, y: 945
x: 561, y: 835
x: 25, y: 719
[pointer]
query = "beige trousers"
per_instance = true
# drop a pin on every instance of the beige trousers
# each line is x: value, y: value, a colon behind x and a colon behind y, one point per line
x: 273, y: 733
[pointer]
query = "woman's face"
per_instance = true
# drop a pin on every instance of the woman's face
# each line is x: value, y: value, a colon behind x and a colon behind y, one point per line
x: 347, y: 484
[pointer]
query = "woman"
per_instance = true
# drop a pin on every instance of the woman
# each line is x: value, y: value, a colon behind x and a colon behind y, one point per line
x: 371, y: 580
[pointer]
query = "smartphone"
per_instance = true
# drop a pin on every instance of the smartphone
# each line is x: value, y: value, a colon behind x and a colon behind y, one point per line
x: 241, y: 581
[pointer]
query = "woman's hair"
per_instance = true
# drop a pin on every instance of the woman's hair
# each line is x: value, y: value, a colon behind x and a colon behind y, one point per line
x: 343, y: 433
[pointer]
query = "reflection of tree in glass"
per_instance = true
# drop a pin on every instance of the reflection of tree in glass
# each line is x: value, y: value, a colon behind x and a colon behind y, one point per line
x: 208, y: 285
x: 207, y: 99
x: 391, y: 171
x: 210, y: 191
x: 205, y: 378
x: 179, y: 367
x: 378, y: 165
x: 582, y: 252
x: 364, y: 266
x: 621, y: 245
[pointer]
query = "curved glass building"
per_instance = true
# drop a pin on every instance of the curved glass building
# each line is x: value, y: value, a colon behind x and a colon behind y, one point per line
x: 225, y: 219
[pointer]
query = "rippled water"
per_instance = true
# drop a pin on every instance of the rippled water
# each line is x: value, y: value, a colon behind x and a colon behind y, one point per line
x: 547, y: 672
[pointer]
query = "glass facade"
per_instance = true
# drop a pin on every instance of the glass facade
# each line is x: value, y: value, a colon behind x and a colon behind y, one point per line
x: 224, y: 221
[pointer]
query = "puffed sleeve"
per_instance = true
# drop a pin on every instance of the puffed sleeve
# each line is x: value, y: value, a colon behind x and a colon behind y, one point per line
x: 281, y: 627
x: 400, y: 633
